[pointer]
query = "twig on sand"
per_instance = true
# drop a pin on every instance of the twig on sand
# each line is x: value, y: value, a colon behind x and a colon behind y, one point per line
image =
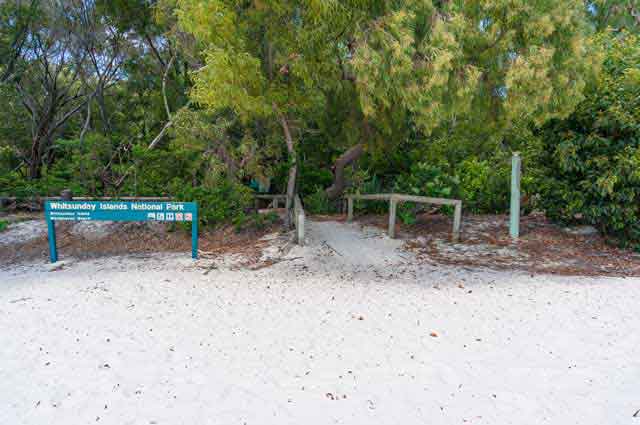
x: 332, y: 249
x: 20, y: 299
x: 272, y: 261
x: 210, y: 268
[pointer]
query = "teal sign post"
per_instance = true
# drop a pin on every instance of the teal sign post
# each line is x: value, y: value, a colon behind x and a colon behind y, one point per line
x: 120, y: 211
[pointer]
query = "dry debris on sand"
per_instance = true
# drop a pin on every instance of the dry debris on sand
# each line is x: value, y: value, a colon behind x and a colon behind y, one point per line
x: 543, y: 247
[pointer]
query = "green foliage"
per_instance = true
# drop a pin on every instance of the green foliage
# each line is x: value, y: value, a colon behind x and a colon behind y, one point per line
x: 439, y: 93
x: 490, y: 64
x: 592, y: 166
x: 423, y: 180
x: 317, y: 202
x: 615, y: 14
x: 485, y: 186
x: 4, y: 224
x: 255, y: 221
x: 312, y: 179
x: 362, y: 182
x: 426, y: 180
x: 218, y: 203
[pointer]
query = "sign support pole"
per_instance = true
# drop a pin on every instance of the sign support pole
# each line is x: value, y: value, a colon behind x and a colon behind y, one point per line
x: 514, y: 216
x: 194, y: 235
x: 53, y: 251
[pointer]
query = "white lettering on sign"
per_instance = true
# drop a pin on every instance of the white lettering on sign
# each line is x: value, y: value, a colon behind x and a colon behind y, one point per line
x: 113, y: 207
x: 69, y: 206
x: 145, y: 206
x: 175, y: 207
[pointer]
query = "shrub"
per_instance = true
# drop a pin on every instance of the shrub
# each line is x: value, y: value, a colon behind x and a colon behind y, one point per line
x: 317, y: 202
x: 423, y: 180
x: 311, y: 179
x: 4, y: 224
x: 254, y: 221
x: 485, y: 186
x: 221, y: 202
x: 592, y: 168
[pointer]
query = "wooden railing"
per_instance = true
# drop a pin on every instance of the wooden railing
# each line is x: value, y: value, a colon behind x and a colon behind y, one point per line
x: 275, y: 199
x: 295, y: 212
x: 395, y: 198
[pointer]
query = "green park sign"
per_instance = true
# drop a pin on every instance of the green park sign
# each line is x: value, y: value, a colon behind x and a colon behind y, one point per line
x: 165, y: 212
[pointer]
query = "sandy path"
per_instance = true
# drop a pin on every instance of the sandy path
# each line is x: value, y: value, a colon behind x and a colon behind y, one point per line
x: 332, y: 337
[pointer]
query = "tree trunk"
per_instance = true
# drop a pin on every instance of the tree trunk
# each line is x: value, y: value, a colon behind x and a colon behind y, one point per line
x: 35, y: 169
x: 35, y: 165
x: 35, y: 160
x: 338, y: 186
x: 291, y: 183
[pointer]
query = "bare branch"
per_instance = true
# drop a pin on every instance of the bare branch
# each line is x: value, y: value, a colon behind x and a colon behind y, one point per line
x: 164, y: 87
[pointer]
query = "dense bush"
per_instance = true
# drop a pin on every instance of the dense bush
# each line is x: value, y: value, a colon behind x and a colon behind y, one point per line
x: 592, y: 166
x: 423, y: 180
x: 220, y: 199
x: 484, y: 186
x: 224, y: 201
x: 317, y: 202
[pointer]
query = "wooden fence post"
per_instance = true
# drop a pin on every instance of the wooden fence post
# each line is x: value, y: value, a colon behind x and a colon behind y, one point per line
x: 457, y: 220
x: 392, y: 217
x: 349, y: 209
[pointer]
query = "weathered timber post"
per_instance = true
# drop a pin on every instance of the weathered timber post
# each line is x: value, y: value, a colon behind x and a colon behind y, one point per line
x: 66, y: 195
x: 457, y: 220
x: 393, y: 202
x: 514, y: 213
x: 300, y: 228
x: 349, y: 209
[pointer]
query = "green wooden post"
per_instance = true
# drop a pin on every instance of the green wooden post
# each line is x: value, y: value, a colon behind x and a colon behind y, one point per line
x: 194, y: 234
x: 514, y: 219
x: 53, y: 249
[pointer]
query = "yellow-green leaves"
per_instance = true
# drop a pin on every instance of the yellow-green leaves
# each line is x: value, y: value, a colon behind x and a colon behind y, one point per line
x: 210, y: 21
x: 500, y: 64
x: 231, y: 80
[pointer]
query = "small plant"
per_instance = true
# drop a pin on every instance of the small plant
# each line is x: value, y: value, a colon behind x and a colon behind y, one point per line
x: 317, y: 202
x: 255, y: 221
x: 4, y: 225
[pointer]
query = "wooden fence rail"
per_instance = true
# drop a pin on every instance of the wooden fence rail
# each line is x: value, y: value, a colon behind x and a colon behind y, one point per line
x: 275, y: 199
x: 395, y: 198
